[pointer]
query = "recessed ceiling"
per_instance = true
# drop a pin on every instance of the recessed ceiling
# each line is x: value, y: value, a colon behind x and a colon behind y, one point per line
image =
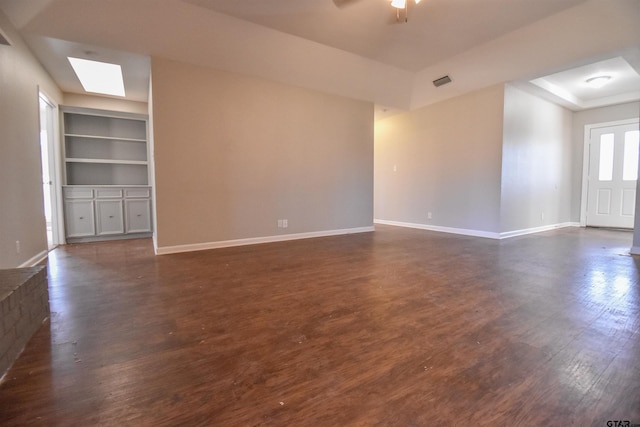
x: 436, y: 29
x: 569, y: 87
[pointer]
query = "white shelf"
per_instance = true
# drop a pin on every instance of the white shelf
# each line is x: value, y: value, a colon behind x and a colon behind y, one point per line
x: 106, y: 138
x: 107, y: 161
x: 104, y: 148
x: 106, y: 186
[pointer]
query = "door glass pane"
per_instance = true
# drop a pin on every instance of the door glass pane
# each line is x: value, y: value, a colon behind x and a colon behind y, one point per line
x: 630, y: 167
x: 606, y: 157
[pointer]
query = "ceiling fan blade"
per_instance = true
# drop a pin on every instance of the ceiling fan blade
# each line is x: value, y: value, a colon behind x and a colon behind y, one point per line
x: 343, y: 3
x: 399, y: 16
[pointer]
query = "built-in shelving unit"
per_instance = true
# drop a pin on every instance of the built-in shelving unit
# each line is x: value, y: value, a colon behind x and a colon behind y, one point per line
x: 105, y: 148
x: 106, y: 191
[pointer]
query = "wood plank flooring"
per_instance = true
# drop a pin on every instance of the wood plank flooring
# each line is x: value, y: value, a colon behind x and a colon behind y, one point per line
x: 393, y: 328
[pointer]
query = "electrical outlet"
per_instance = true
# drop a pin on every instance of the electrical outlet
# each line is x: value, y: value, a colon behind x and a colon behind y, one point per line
x: 279, y: 223
x: 285, y: 223
x: 542, y: 216
x: 17, y: 246
x: 429, y: 215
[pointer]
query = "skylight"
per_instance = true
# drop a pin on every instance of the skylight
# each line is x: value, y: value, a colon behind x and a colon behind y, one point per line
x: 99, y: 77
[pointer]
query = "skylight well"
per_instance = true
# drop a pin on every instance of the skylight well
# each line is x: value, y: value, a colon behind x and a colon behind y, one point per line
x: 99, y: 77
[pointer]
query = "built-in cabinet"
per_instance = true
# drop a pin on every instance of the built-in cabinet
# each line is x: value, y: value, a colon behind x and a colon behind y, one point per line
x: 93, y: 212
x: 106, y: 192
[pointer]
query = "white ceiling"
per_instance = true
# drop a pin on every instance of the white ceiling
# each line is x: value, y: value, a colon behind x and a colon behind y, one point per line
x: 435, y: 30
x: 354, y: 48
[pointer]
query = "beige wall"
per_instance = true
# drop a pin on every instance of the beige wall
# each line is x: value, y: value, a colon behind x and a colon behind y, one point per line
x: 21, y: 202
x: 447, y: 160
x: 536, y: 162
x: 526, y: 162
x: 234, y: 154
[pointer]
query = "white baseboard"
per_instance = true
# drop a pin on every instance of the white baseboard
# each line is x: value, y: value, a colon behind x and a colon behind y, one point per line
x: 507, y: 234
x: 478, y: 233
x: 31, y: 262
x: 257, y: 240
x: 462, y: 231
x: 635, y: 250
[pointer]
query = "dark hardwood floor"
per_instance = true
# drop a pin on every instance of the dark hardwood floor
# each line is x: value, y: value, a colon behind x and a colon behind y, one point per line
x: 398, y: 327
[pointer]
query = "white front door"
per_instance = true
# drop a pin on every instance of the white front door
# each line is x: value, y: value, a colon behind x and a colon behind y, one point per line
x: 613, y: 171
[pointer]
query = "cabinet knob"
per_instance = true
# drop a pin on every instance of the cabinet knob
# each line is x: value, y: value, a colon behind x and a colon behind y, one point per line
x: 139, y: 215
x: 81, y: 217
x: 110, y: 216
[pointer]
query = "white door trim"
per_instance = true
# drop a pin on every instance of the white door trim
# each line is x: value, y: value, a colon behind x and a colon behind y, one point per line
x: 59, y: 233
x: 585, y: 161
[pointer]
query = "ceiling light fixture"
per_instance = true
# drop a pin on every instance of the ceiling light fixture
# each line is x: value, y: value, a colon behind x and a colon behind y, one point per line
x: 597, y: 81
x: 401, y: 5
x: 99, y: 77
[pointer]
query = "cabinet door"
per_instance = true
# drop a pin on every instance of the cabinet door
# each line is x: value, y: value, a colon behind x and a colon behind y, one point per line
x: 79, y: 218
x: 109, y: 213
x: 138, y: 214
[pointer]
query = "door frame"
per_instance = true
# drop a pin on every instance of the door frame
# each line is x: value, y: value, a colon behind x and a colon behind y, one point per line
x: 587, y: 156
x: 55, y: 168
